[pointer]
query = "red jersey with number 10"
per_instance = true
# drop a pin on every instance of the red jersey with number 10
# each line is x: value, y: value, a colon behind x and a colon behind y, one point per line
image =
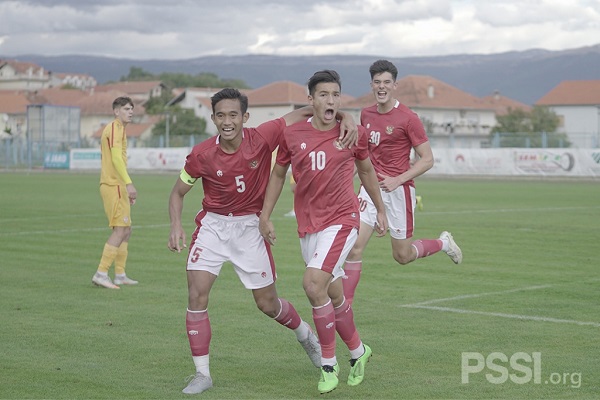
x: 235, y: 184
x: 391, y: 138
x: 324, y: 175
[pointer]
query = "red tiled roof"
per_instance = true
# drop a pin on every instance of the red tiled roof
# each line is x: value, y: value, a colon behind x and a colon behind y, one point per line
x: 58, y: 96
x: 572, y: 93
x: 12, y: 102
x: 283, y: 92
x: 90, y: 103
x: 426, y: 92
x: 502, y: 104
x: 276, y: 93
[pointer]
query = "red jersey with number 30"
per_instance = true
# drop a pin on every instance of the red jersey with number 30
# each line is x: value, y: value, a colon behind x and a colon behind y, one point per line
x: 324, y: 173
x: 236, y: 183
x: 391, y: 138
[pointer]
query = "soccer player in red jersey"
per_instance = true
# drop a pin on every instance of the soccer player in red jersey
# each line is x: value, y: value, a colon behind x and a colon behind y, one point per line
x: 394, y: 130
x: 234, y: 170
x: 328, y: 218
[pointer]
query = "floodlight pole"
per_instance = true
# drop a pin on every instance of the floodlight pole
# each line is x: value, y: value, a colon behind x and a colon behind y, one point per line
x: 167, y: 130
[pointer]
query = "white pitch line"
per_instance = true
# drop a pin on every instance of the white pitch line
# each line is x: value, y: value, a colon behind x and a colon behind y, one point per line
x: 471, y: 296
x: 424, y: 305
x: 513, y: 316
x: 505, y: 210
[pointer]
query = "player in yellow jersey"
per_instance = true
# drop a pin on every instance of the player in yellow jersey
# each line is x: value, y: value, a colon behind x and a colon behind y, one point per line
x: 118, y: 194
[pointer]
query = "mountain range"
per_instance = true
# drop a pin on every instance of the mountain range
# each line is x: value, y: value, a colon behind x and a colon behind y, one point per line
x: 521, y: 75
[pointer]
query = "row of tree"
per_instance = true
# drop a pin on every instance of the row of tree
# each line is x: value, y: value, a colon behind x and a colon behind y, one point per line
x: 536, y: 128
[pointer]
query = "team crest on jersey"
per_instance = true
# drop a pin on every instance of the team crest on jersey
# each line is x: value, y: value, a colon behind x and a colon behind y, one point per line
x: 219, y: 173
x: 303, y: 146
x: 338, y: 144
x: 253, y: 164
x: 389, y: 130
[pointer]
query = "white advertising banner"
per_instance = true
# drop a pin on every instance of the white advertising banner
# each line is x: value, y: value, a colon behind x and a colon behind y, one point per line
x: 476, y: 162
x: 171, y: 159
x: 85, y: 159
x: 155, y: 159
x: 517, y: 162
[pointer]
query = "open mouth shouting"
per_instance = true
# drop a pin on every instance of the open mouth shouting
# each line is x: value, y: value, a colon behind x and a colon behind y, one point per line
x: 329, y: 114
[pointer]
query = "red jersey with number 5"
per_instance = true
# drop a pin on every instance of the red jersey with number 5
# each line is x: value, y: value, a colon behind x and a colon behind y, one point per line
x: 236, y: 183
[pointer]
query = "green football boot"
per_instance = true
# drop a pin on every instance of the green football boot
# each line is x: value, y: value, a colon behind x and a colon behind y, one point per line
x: 329, y: 378
x: 357, y: 367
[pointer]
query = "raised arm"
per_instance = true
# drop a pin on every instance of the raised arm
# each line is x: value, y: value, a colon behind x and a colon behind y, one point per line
x: 274, y: 187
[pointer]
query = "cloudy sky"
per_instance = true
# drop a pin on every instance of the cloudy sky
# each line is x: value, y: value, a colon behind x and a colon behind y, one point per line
x: 163, y: 29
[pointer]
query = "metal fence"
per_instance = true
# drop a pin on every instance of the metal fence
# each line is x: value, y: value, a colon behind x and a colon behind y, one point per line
x: 45, y: 149
x: 51, y: 130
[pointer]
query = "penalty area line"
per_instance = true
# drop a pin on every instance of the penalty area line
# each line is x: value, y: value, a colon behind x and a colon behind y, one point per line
x: 503, y: 315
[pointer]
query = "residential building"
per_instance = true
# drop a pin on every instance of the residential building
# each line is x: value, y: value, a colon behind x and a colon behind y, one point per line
x: 77, y: 81
x: 274, y: 100
x: 137, y: 132
x: 17, y: 75
x: 577, y: 103
x: 13, y: 114
x: 198, y: 100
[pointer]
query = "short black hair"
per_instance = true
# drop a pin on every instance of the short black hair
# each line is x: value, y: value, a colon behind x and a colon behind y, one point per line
x: 381, y: 66
x: 326, y: 75
x: 122, y: 101
x: 232, y: 94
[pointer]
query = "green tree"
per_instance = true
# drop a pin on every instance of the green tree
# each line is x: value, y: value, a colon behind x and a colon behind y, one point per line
x: 138, y: 74
x: 156, y: 105
x: 536, y: 128
x: 172, y: 80
x: 182, y: 122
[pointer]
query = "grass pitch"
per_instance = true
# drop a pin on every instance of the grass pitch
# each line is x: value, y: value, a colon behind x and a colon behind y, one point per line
x: 528, y: 287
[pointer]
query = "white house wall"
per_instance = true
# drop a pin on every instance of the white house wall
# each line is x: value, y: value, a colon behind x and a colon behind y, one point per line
x: 259, y: 114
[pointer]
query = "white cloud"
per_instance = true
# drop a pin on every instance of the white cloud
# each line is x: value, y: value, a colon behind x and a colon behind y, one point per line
x: 393, y: 28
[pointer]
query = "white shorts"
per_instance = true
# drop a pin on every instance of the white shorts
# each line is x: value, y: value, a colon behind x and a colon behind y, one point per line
x: 327, y: 250
x: 219, y: 238
x: 399, y: 206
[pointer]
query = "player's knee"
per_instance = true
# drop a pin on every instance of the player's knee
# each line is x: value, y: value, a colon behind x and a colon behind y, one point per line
x: 355, y: 254
x: 313, y: 292
x: 403, y: 257
x: 269, y: 308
